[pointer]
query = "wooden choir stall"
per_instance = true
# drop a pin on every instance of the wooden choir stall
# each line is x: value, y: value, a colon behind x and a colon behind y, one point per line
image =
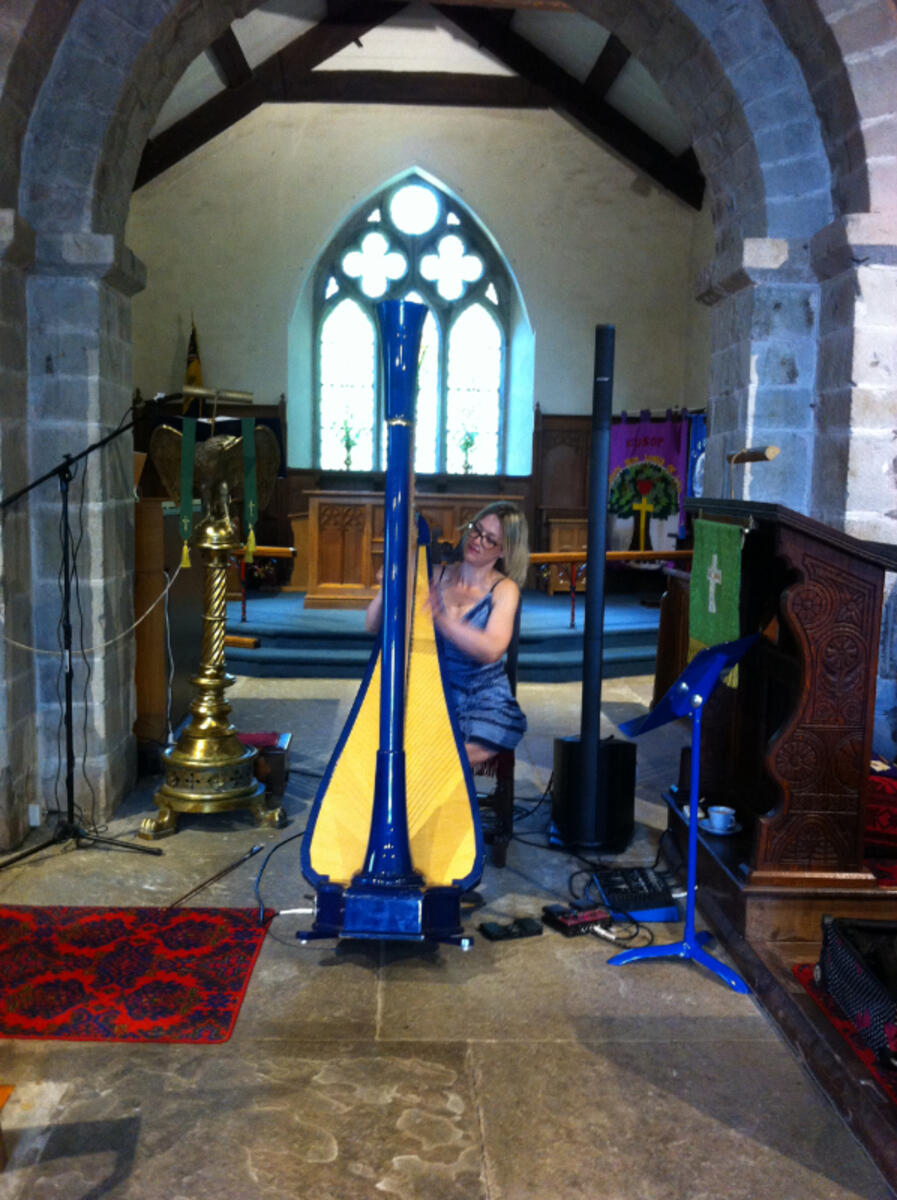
x: 789, y: 747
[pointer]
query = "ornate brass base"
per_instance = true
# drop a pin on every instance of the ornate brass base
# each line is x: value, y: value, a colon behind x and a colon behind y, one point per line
x: 196, y: 785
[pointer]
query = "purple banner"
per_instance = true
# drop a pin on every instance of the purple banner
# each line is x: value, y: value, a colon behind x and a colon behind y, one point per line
x: 648, y: 466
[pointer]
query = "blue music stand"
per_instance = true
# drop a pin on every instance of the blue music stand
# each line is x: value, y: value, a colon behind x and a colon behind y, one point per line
x: 686, y: 698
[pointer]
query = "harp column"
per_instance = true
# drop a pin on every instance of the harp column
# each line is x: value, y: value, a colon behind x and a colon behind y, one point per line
x: 388, y: 857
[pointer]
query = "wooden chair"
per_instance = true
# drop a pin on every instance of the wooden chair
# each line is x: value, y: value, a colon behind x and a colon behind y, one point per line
x: 501, y: 768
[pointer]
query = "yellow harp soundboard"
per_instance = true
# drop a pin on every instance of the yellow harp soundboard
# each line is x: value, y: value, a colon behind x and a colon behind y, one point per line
x: 441, y: 802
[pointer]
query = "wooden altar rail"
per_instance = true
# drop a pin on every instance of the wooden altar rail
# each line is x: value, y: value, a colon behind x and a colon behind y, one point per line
x: 259, y: 552
x: 574, y: 560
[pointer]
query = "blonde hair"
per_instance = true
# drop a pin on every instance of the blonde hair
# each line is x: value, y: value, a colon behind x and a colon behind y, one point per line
x: 514, y: 561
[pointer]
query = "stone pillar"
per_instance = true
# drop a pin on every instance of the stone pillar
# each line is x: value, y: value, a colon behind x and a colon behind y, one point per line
x: 762, y: 371
x: 856, y: 464
x: 17, y: 674
x: 79, y: 356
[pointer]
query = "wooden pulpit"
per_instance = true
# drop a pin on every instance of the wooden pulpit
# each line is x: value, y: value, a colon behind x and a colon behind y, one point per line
x: 789, y: 745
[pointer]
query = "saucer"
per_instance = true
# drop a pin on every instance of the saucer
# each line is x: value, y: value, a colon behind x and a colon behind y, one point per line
x: 704, y: 823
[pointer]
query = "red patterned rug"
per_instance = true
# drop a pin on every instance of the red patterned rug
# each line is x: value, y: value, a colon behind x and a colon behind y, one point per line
x: 803, y: 972
x: 125, y: 974
x: 885, y: 871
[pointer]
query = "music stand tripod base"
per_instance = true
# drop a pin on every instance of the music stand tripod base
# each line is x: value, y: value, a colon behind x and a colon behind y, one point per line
x: 686, y: 698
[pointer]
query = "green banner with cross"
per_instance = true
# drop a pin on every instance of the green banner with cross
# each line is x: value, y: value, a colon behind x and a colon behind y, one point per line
x: 715, y: 585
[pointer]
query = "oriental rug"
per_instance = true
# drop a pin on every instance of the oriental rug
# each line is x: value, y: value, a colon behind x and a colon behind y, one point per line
x: 886, y: 1076
x: 125, y: 974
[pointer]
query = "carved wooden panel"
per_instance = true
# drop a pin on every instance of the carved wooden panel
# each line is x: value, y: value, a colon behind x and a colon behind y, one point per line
x: 561, y: 447
x: 345, y: 540
x: 820, y: 759
x: 570, y: 533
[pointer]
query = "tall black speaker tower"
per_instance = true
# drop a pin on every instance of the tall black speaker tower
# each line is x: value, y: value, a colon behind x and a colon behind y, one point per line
x: 593, y: 797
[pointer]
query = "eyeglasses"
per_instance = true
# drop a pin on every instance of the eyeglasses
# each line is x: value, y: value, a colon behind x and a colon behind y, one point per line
x: 474, y: 529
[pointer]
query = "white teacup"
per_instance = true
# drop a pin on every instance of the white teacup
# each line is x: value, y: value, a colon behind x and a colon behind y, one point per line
x: 721, y: 818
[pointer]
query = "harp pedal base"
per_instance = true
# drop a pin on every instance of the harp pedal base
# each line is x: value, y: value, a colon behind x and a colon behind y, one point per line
x: 383, y: 913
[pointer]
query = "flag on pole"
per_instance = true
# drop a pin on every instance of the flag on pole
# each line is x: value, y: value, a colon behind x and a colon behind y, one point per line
x: 188, y: 458
x: 250, y: 486
x: 193, y: 373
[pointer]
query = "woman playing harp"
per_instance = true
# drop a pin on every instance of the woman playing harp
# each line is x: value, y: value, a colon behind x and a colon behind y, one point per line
x: 474, y: 604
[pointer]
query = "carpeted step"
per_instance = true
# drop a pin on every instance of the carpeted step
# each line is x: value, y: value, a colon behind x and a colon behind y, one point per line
x: 314, y: 662
x: 296, y: 643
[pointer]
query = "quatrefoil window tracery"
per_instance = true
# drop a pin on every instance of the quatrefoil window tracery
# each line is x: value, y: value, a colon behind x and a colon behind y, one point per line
x: 375, y: 264
x: 452, y: 267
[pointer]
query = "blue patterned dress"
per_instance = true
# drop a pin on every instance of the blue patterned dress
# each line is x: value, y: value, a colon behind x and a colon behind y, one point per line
x: 486, y: 710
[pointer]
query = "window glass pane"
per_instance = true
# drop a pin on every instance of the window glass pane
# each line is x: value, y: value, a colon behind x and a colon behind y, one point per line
x: 474, y: 391
x: 414, y: 209
x: 332, y: 288
x: 347, y: 389
x: 374, y: 264
x: 426, y: 430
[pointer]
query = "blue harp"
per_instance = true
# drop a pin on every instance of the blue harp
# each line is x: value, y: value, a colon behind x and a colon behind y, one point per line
x: 394, y: 835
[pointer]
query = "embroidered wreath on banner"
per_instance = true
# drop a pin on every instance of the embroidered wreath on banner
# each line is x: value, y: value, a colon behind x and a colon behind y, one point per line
x: 647, y: 482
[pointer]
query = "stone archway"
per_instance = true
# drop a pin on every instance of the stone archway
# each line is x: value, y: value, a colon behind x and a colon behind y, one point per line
x: 785, y: 194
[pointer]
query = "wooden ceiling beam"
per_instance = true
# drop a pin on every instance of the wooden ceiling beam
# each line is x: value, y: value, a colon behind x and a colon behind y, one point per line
x: 610, y: 62
x: 228, y: 56
x: 553, y: 5
x: 674, y: 173
x: 346, y: 23
x: 416, y: 87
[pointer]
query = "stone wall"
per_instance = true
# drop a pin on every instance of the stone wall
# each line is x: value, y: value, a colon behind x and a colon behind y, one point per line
x: 792, y: 109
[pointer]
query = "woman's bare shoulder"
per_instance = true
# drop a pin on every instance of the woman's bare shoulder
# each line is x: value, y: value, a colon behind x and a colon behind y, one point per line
x: 505, y: 588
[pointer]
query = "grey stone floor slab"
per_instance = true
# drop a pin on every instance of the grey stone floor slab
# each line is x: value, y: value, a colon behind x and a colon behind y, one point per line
x: 720, y: 1120
x: 526, y: 1069
x: 335, y: 1121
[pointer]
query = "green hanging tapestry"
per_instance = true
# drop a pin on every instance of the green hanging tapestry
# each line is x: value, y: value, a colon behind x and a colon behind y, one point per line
x: 250, y: 488
x: 715, y: 585
x: 188, y: 454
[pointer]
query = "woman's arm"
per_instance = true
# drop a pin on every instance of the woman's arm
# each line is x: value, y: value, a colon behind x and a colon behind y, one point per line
x: 373, y: 616
x: 486, y: 645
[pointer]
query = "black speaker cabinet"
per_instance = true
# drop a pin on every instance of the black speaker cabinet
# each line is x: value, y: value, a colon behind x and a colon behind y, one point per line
x: 614, y: 822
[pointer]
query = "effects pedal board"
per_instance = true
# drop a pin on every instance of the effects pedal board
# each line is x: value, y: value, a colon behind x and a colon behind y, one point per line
x: 636, y: 892
x: 574, y: 921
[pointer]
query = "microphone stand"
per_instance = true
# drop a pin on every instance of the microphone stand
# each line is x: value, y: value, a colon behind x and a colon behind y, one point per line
x: 69, y: 829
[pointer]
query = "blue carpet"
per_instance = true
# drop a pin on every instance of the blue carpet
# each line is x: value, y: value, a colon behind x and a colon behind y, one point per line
x: 315, y: 643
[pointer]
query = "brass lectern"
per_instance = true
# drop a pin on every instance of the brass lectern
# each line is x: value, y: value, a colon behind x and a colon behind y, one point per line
x: 209, y: 770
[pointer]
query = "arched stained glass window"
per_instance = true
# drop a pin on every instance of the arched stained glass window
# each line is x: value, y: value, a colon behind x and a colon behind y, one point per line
x: 474, y: 392
x: 347, y: 386
x: 412, y: 242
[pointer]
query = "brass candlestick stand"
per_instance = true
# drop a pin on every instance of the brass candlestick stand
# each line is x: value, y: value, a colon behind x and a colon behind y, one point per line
x: 210, y: 770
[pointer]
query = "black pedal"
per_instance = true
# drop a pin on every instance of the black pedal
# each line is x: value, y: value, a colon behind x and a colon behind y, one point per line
x: 522, y: 927
x: 572, y: 922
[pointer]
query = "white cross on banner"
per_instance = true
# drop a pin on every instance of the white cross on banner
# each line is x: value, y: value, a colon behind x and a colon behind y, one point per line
x: 715, y: 579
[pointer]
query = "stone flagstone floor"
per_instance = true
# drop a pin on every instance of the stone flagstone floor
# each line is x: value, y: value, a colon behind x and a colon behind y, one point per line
x: 523, y: 1070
